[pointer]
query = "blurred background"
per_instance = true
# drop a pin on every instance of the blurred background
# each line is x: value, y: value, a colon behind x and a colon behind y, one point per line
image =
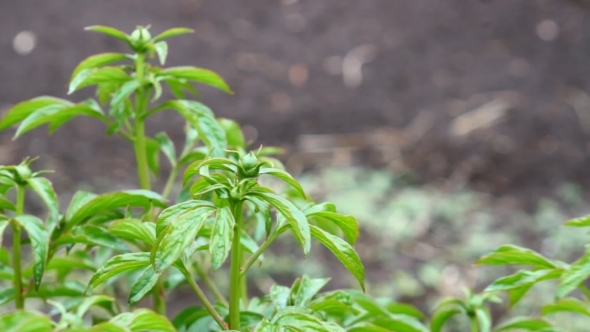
x: 448, y: 127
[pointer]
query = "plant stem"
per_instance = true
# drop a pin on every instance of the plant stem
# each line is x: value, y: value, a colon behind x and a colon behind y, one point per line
x: 143, y: 172
x: 16, y: 254
x: 584, y: 291
x: 235, y: 275
x: 474, y: 327
x: 261, y: 249
x: 170, y: 182
x: 206, y: 303
x: 216, y: 292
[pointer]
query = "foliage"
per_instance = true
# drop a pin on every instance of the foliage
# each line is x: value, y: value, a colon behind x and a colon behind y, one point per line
x: 148, y: 245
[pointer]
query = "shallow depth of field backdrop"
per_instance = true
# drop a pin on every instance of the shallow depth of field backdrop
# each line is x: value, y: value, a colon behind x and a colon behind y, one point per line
x: 466, y: 121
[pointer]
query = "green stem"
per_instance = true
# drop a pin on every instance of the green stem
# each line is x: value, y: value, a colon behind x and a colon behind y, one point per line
x: 139, y: 145
x: 474, y: 326
x: 261, y: 249
x: 584, y: 291
x: 207, y: 280
x: 16, y: 254
x: 206, y: 303
x: 244, y: 281
x: 236, y: 256
x: 170, y: 182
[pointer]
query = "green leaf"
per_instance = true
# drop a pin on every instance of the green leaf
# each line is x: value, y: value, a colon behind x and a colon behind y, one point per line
x: 179, y: 234
x: 523, y: 278
x: 566, y: 305
x: 109, y: 31
x: 40, y: 242
x: 91, y: 235
x: 134, y: 230
x: 525, y: 323
x: 143, y: 320
x: 88, y: 302
x: 153, y: 155
x: 514, y: 255
x: 22, y: 110
x: 441, y: 317
x: 348, y: 224
x: 171, y: 33
x: 279, y: 296
x: 199, y: 75
x: 167, y: 147
x: 235, y: 137
x: 516, y: 294
x: 574, y: 275
x: 44, y: 189
x: 119, y: 264
x: 87, y: 77
x: 295, y: 317
x: 213, y: 163
x: 162, y: 51
x: 171, y: 213
x: 343, y: 251
x: 308, y: 289
x: 5, y: 204
x: 106, y: 327
x: 25, y: 321
x: 85, y: 205
x: 367, y: 327
x: 293, y: 215
x: 221, y: 237
x: 3, y: 224
x: 144, y: 284
x: 97, y: 61
x: 279, y: 173
x: 124, y: 92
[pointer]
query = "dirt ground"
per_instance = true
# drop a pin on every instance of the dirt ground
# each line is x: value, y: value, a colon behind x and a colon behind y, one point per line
x: 490, y: 93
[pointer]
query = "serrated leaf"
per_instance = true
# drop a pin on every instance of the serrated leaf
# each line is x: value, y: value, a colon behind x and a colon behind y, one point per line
x: 39, y: 241
x: 343, y: 251
x: 144, y: 284
x: 571, y: 305
x: 97, y: 61
x: 178, y: 235
x: 171, y: 33
x: 525, y: 323
x: 281, y: 174
x: 143, y: 320
x: 25, y: 321
x: 523, y: 278
x: 44, y: 189
x: 515, y: 255
x: 199, y: 75
x: 85, y: 205
x: 22, y: 110
x: 574, y: 275
x: 134, y: 230
x: 119, y: 264
x: 292, y: 214
x: 87, y: 77
x: 162, y: 51
x: 221, y: 237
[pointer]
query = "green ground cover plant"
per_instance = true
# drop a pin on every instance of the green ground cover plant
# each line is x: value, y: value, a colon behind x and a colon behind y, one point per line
x: 110, y: 260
